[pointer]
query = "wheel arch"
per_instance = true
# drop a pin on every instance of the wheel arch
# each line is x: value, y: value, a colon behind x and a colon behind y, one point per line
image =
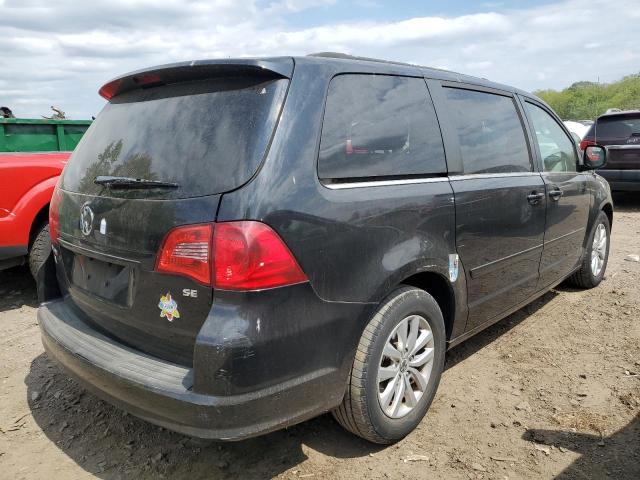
x: 441, y: 290
x: 40, y: 219
x: 607, y: 208
x: 18, y: 228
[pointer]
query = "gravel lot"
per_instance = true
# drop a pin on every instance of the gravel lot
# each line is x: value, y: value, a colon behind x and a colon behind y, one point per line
x: 553, y: 391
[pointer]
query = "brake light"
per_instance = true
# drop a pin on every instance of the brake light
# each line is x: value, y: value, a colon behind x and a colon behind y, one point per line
x: 148, y: 79
x: 109, y: 90
x: 586, y: 143
x: 245, y: 255
x: 251, y: 256
x: 54, y: 216
x: 187, y: 251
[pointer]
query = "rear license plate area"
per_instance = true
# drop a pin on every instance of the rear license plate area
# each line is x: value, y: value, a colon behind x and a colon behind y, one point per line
x: 109, y: 281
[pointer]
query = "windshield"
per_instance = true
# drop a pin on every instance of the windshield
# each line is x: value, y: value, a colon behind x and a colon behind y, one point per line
x: 207, y: 137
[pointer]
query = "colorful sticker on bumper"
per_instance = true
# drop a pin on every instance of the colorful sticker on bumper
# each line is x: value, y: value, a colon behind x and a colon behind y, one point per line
x: 168, y: 307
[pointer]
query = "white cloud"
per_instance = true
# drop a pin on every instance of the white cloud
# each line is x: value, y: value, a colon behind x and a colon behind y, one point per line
x: 298, y: 5
x: 60, y: 53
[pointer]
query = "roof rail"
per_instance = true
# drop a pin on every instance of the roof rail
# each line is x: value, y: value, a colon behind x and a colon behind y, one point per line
x: 346, y: 56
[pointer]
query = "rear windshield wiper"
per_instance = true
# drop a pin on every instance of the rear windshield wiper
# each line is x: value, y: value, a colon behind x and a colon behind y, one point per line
x: 128, y: 182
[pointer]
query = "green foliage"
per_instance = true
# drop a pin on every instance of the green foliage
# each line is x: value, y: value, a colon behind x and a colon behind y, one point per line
x: 587, y: 100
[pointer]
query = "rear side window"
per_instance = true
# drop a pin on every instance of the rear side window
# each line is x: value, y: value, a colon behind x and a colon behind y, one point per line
x: 489, y: 132
x: 379, y: 126
x: 208, y: 137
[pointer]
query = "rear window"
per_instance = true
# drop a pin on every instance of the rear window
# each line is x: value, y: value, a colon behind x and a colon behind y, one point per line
x: 208, y: 137
x: 611, y: 128
x: 379, y: 126
x: 489, y: 132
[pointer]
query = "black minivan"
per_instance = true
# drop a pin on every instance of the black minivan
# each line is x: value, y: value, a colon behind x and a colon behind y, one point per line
x: 243, y: 244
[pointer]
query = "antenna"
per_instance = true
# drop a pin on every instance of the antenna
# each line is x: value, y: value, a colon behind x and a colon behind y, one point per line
x: 595, y: 126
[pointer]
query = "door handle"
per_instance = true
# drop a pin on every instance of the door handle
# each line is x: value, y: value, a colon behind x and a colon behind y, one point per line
x: 556, y: 194
x: 534, y: 197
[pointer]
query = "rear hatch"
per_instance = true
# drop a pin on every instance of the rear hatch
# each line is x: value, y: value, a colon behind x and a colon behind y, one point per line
x: 158, y: 156
x: 621, y: 135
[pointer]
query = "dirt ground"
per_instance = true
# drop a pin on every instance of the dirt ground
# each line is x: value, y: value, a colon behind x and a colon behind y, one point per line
x: 553, y: 391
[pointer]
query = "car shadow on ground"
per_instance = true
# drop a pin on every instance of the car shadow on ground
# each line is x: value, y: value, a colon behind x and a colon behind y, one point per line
x: 625, y: 202
x: 615, y: 456
x: 17, y: 289
x: 484, y: 338
x: 110, y: 444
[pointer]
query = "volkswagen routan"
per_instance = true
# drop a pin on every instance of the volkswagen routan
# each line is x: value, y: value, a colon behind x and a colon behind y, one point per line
x: 243, y: 244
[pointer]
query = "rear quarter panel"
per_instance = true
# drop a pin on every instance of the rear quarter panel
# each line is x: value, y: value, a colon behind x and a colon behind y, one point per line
x: 354, y: 244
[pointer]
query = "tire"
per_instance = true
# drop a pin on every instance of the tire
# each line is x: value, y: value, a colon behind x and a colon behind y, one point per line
x: 585, y: 277
x: 361, y: 411
x: 40, y: 249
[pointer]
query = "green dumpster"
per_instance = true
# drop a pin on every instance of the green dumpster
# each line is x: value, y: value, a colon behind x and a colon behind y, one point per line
x: 34, y: 135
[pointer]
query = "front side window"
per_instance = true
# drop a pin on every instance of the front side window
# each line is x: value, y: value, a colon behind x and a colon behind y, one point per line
x: 556, y: 148
x: 489, y: 132
x: 379, y: 126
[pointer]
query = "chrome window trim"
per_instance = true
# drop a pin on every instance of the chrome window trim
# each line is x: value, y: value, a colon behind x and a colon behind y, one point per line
x: 416, y: 181
x: 470, y: 176
x: 384, y: 183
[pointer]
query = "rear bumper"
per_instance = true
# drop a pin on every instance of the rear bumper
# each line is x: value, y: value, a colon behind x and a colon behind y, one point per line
x: 622, y: 180
x: 163, y: 392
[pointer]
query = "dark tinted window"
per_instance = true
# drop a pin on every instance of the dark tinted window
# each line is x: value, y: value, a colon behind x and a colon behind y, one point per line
x: 376, y: 125
x: 489, y: 131
x: 556, y: 148
x: 615, y: 128
x: 208, y: 137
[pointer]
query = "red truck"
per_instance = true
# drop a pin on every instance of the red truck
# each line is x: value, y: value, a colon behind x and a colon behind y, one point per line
x: 29, y: 171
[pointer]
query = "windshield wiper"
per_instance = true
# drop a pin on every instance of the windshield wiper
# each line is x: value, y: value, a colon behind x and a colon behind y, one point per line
x: 128, y: 182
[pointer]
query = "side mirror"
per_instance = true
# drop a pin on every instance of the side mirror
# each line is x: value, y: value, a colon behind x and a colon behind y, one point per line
x: 595, y: 156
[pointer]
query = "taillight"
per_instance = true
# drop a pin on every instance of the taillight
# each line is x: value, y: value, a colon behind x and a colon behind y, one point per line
x: 243, y: 255
x: 187, y: 251
x: 54, y: 216
x: 586, y: 143
x: 251, y: 256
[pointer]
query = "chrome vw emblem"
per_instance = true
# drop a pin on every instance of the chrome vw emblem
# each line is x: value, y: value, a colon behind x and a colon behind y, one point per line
x: 86, y: 219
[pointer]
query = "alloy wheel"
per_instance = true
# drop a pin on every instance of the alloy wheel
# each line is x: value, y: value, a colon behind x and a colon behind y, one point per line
x: 598, y: 249
x: 405, y: 366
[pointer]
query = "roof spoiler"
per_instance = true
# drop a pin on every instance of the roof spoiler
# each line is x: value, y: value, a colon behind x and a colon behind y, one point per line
x: 196, y: 70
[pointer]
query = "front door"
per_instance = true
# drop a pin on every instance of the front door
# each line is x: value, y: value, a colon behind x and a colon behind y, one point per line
x: 568, y: 198
x: 500, y: 199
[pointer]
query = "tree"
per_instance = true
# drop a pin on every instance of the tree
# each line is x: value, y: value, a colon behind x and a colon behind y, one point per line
x: 587, y: 100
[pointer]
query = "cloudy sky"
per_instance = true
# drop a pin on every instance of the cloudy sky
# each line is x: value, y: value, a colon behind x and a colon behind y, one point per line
x: 60, y: 52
